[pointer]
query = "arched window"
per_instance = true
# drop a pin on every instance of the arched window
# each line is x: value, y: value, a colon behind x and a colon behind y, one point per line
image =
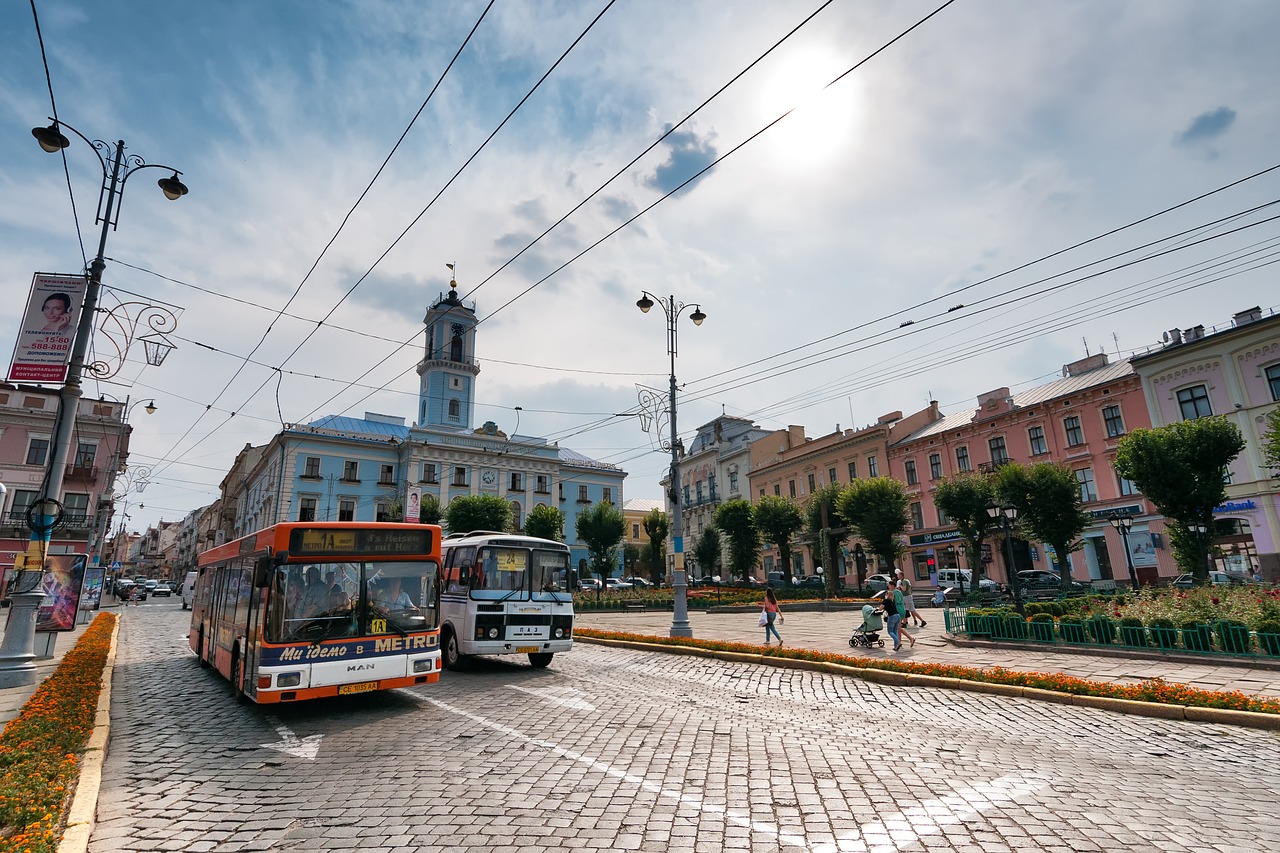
x: 455, y: 409
x: 516, y: 522
x: 455, y: 348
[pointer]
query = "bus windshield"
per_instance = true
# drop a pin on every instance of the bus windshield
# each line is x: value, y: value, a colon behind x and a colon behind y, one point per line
x: 336, y: 600
x: 521, y: 573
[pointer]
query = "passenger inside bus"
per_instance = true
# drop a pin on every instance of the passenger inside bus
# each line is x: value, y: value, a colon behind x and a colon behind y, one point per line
x: 315, y: 598
x: 392, y: 597
x: 338, y: 600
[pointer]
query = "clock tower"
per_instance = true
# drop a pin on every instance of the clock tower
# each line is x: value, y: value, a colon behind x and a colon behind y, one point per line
x: 447, y: 372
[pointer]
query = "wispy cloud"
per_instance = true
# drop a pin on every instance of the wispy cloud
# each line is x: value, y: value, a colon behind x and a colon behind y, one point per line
x: 1208, y: 126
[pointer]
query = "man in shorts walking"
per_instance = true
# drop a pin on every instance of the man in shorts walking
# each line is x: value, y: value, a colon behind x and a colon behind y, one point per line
x: 909, y: 600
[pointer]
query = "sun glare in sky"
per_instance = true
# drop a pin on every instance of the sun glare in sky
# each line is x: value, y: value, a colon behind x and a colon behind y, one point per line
x: 822, y: 120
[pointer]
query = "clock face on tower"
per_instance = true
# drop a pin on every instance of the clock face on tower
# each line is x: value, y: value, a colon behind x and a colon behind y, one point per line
x: 488, y: 478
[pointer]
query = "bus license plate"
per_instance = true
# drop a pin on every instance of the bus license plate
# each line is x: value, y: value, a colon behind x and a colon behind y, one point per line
x: 527, y: 650
x: 362, y: 687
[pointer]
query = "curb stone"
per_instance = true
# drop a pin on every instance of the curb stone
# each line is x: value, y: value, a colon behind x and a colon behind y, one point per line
x: 84, y: 805
x: 1223, y: 716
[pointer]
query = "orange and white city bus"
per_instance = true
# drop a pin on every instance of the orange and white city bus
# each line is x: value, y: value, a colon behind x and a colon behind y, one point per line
x: 504, y: 593
x: 302, y: 610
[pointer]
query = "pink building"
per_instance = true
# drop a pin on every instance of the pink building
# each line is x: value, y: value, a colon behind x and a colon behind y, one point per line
x: 1078, y: 421
x: 1234, y: 371
x: 100, y: 447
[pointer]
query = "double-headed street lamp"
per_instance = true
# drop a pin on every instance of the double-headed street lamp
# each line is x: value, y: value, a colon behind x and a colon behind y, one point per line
x: 17, y: 665
x: 1005, y: 517
x: 1203, y: 533
x: 1123, y: 523
x: 680, y: 617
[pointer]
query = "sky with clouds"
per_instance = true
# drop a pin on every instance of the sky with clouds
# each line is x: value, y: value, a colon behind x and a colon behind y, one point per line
x: 954, y: 162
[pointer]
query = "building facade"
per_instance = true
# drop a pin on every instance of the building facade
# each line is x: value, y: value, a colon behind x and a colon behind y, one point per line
x: 99, y: 451
x: 1077, y: 421
x: 1235, y: 372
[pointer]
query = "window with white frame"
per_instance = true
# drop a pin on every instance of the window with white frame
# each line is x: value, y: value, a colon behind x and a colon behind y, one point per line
x: 455, y: 410
x: 86, y: 455
x: 1113, y: 420
x: 517, y: 482
x: 962, y: 460
x: 812, y: 486
x: 516, y: 521
x: 917, y: 516
x: 1273, y: 381
x: 542, y: 486
x: 777, y: 489
x: 386, y: 475
x: 582, y: 495
x: 1127, y: 487
x: 306, y: 508
x: 459, y: 475
x: 75, y: 507
x: 37, y: 449
x: 346, y: 509
x: 872, y: 469
x: 791, y: 484
x: 910, y: 467
x: 943, y: 518
x: 1194, y: 402
x: 1088, y: 489
x: 1071, y: 426
x: 935, y: 466
x: 351, y: 471
x: 853, y: 470
x: 607, y: 495
x: 429, y: 473
x: 1035, y: 436
x: 311, y: 467
x: 995, y: 444
x: 733, y: 482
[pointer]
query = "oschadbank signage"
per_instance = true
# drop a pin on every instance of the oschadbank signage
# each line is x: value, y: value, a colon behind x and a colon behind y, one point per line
x: 938, y: 536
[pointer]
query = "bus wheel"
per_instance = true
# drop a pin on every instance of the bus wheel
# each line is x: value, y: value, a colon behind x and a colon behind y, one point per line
x: 237, y: 675
x: 204, y: 664
x: 539, y: 660
x: 452, y: 657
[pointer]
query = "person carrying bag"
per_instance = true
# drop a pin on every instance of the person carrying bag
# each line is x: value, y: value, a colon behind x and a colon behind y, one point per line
x: 769, y: 614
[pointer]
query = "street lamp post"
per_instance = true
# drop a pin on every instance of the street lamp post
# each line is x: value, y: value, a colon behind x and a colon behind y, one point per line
x: 17, y: 665
x: 1202, y: 536
x: 1123, y: 523
x: 1005, y: 517
x: 680, y: 617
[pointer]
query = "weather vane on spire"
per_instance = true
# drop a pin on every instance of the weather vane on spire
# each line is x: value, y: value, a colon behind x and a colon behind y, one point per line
x: 453, y: 280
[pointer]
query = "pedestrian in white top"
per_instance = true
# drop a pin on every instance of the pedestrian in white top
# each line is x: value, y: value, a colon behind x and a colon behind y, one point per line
x: 909, y: 600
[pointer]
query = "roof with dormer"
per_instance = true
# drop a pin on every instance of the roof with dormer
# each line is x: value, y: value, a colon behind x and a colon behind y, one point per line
x: 1059, y: 388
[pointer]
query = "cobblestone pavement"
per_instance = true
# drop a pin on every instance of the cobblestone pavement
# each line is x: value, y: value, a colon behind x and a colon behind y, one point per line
x: 829, y: 632
x: 613, y: 749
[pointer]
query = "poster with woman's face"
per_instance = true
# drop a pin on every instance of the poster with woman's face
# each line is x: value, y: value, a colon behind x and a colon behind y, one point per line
x: 63, y: 578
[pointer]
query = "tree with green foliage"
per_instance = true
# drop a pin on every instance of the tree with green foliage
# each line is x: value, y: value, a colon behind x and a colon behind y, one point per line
x: 778, y: 519
x: 736, y: 521
x: 964, y: 498
x: 655, y: 553
x: 706, y: 551
x: 601, y: 528
x: 877, y: 508
x: 478, y: 512
x: 823, y: 523
x: 545, y: 522
x: 429, y: 510
x: 1271, y: 442
x: 1182, y: 469
x: 1047, y: 497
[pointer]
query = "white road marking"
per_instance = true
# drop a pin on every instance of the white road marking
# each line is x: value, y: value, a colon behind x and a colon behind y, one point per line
x: 291, y: 744
x: 562, y: 696
x: 903, y: 830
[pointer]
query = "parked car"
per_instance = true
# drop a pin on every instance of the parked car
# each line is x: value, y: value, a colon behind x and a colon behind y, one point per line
x: 588, y: 584
x: 953, y: 578
x: 878, y: 583
x: 1042, y: 583
x: 161, y: 588
x: 809, y: 580
x: 616, y: 584
x: 639, y: 582
x: 1215, y: 578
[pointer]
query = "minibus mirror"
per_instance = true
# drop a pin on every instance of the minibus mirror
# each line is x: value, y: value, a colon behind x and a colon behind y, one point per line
x: 262, y: 572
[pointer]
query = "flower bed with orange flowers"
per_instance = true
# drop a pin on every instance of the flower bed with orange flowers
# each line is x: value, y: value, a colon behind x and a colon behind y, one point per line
x: 40, y: 748
x: 1150, y: 690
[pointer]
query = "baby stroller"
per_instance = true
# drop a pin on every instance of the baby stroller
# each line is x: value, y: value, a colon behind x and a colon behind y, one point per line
x: 865, y: 634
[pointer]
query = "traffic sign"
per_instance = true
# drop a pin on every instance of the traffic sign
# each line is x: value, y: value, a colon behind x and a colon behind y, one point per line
x: 116, y: 565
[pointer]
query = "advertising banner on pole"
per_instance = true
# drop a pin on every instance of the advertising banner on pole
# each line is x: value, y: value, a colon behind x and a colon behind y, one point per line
x: 43, y: 346
x: 412, y: 504
x: 63, y: 580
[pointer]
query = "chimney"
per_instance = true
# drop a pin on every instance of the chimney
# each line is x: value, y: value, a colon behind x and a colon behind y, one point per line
x: 1085, y: 365
x: 1195, y: 333
x: 1244, y: 318
x: 892, y: 417
x: 1173, y: 337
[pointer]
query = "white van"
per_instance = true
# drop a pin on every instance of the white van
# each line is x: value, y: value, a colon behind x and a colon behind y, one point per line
x: 950, y: 578
x: 189, y: 590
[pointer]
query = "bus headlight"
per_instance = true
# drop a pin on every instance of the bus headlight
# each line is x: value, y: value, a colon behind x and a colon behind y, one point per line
x: 493, y: 633
x: 423, y: 665
x: 288, y: 679
x: 559, y: 633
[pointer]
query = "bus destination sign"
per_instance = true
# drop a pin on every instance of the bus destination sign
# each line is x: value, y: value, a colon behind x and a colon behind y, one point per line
x: 363, y: 542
